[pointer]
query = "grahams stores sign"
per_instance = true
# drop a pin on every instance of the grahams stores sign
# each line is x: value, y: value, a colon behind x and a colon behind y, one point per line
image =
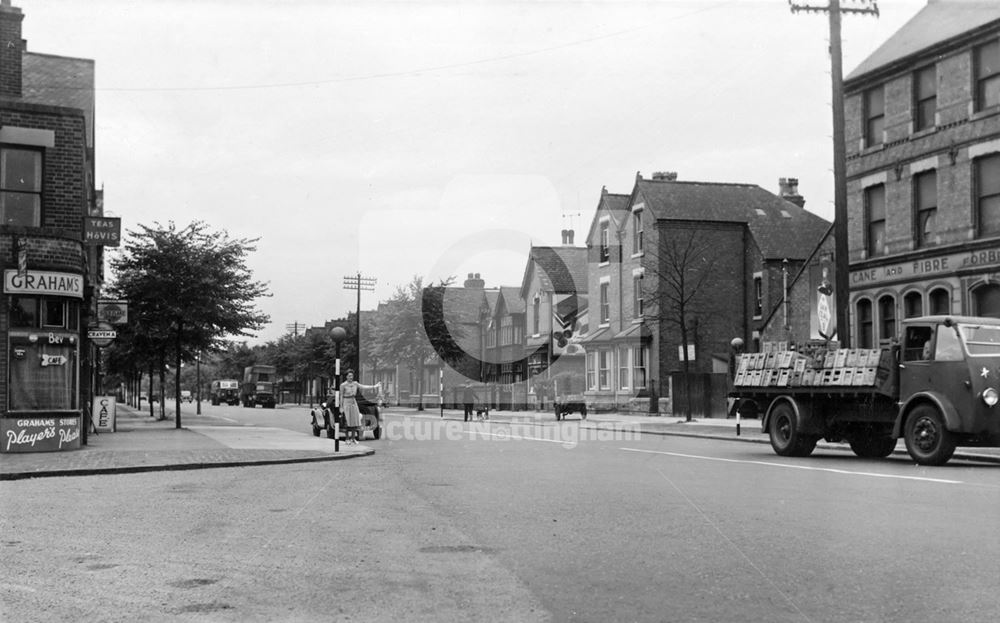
x: 42, y: 282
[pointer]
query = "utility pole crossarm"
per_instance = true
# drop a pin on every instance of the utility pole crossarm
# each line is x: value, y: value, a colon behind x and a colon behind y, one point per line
x: 841, y: 250
x: 359, y: 283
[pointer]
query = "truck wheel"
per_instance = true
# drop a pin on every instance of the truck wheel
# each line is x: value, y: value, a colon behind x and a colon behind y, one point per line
x: 927, y: 440
x: 785, y: 436
x: 873, y: 447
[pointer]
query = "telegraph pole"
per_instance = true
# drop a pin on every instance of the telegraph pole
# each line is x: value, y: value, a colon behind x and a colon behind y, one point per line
x: 842, y: 274
x: 294, y: 327
x: 359, y: 283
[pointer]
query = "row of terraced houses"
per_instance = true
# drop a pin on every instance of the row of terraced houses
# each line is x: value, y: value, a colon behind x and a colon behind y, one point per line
x: 923, y: 163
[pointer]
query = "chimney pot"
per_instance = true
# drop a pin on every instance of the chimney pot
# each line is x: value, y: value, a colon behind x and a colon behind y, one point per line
x: 665, y: 176
x: 788, y: 189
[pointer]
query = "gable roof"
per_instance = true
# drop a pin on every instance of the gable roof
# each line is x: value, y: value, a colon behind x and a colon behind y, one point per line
x: 781, y: 229
x: 614, y: 204
x: 512, y: 300
x: 462, y: 305
x: 560, y: 269
x: 60, y: 81
x: 936, y: 23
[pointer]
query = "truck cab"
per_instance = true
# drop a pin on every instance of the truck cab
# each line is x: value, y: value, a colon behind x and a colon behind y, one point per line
x: 949, y: 379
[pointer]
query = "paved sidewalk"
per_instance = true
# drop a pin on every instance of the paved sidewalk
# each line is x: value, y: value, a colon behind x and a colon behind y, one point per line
x: 143, y: 444
x: 712, y: 428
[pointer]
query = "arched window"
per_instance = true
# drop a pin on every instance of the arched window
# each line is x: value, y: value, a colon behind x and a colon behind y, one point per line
x: 940, y: 302
x: 887, y: 317
x: 913, y: 305
x: 987, y: 300
x: 866, y: 338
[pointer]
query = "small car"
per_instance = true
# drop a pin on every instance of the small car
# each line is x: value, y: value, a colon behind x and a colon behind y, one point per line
x: 186, y: 395
x: 570, y: 403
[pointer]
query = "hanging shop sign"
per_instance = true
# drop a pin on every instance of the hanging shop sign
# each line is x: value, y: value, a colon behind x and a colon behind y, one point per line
x: 42, y: 433
x: 42, y: 282
x: 102, y: 231
x: 112, y: 312
x: 101, y: 334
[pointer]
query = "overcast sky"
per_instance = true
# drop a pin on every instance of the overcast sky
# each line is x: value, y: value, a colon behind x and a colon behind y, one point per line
x: 439, y: 138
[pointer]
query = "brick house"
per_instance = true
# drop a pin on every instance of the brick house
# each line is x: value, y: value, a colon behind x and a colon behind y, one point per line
x: 922, y: 137
x: 713, y: 255
x: 50, y: 277
x: 506, y: 368
x: 554, y: 289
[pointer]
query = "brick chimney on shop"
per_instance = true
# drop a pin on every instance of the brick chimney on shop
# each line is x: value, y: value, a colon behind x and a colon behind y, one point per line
x: 474, y: 281
x: 788, y: 189
x: 665, y: 176
x: 11, y: 49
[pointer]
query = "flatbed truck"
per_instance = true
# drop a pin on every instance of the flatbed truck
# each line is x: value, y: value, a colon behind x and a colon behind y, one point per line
x: 937, y: 388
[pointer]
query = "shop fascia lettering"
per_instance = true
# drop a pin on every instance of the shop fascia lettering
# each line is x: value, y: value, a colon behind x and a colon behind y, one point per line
x: 43, y: 282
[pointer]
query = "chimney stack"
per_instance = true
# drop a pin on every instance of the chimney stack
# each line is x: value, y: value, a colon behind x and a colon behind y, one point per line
x: 665, y: 176
x: 11, y: 49
x: 788, y: 189
x: 474, y: 281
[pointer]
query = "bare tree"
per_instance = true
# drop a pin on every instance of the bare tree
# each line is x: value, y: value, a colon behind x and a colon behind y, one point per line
x: 679, y: 271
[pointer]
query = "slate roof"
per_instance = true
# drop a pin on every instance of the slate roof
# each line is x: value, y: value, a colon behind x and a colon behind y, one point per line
x: 462, y: 305
x: 936, y: 23
x: 781, y: 229
x: 60, y: 81
x: 613, y: 203
x: 512, y: 299
x: 561, y: 269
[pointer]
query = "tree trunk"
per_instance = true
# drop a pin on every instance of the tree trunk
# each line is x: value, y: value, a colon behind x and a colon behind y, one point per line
x: 177, y: 375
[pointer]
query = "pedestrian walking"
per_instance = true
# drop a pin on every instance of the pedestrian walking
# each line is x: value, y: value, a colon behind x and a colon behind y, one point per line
x: 468, y: 400
x: 349, y: 406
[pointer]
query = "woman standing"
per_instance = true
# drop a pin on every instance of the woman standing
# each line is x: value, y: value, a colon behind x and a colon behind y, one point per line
x: 349, y: 403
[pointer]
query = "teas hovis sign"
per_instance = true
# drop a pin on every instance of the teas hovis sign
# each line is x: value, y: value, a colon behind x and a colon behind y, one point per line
x: 102, y: 231
x: 43, y: 282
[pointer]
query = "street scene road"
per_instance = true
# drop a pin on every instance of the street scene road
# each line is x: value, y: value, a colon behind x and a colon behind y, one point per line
x: 516, y: 519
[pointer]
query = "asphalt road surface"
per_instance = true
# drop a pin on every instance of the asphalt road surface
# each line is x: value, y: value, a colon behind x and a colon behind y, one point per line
x: 456, y: 522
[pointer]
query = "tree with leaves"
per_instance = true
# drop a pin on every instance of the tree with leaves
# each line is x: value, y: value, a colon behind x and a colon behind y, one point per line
x: 188, y: 288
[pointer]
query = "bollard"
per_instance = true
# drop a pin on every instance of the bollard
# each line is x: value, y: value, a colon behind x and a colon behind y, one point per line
x: 737, y: 422
x: 336, y: 437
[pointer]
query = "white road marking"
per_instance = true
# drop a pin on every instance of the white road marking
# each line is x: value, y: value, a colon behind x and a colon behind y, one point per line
x: 791, y: 466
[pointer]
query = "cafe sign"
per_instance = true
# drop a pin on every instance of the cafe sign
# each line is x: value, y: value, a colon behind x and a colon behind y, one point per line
x: 42, y: 282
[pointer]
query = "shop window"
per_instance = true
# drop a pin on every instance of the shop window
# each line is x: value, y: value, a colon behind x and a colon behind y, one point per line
x: 24, y: 311
x: 874, y: 116
x: 987, y: 61
x: 866, y: 338
x: 887, y: 317
x: 987, y: 300
x: 20, y: 187
x: 42, y: 374
x: 924, y: 98
x: 940, y: 302
x: 875, y: 209
x: 913, y: 305
x: 925, y: 207
x: 987, y: 183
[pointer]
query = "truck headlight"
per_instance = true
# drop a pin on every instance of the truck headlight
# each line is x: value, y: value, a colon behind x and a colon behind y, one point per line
x: 990, y: 396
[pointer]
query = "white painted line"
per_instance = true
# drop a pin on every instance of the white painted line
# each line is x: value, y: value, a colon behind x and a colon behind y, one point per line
x: 791, y: 466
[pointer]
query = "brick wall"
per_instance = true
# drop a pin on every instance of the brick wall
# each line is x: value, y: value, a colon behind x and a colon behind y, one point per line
x: 11, y: 46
